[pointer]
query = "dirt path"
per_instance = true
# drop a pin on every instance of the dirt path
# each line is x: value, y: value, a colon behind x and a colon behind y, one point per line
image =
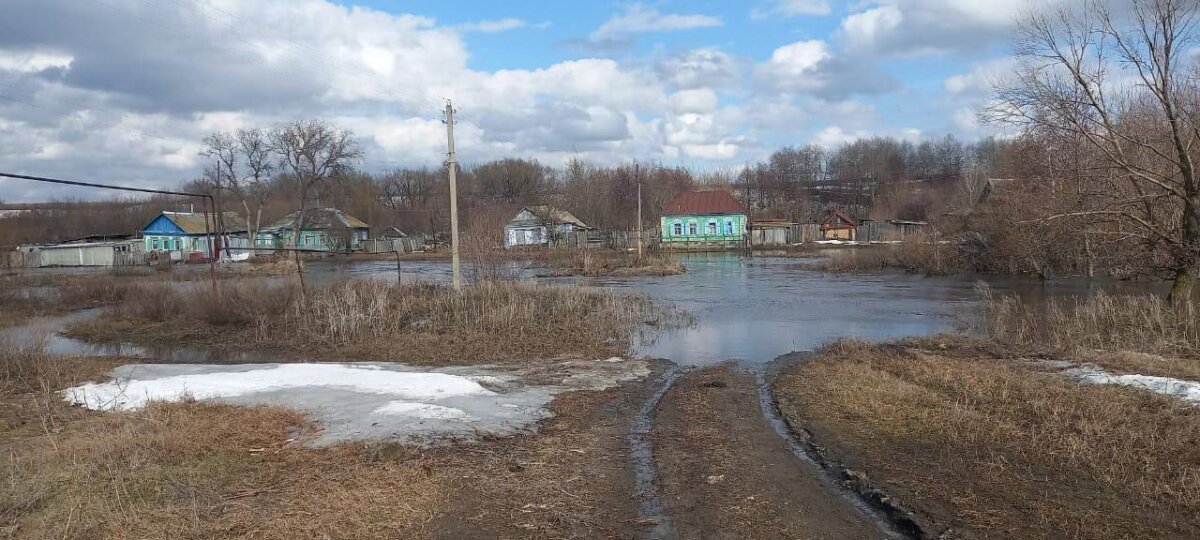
x: 571, y: 480
x: 726, y: 473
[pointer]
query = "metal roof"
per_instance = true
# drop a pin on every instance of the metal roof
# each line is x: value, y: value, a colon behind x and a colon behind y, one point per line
x: 320, y: 218
x: 713, y: 201
x: 193, y: 222
x: 547, y: 215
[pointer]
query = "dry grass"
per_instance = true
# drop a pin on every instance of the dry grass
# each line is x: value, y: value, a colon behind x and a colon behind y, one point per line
x: 607, y: 262
x: 424, y: 324
x: 915, y: 257
x: 994, y: 447
x: 1143, y: 323
x: 193, y: 470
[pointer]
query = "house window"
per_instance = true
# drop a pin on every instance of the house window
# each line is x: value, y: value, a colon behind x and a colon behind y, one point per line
x: 692, y: 229
x: 712, y: 228
x: 677, y: 229
x: 729, y: 228
x: 154, y: 243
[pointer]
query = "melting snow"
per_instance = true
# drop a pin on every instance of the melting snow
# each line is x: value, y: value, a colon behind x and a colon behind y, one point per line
x: 364, y: 378
x: 420, y: 410
x: 355, y: 401
x: 1185, y: 390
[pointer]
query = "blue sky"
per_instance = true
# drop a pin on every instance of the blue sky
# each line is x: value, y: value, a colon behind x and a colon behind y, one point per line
x: 705, y: 84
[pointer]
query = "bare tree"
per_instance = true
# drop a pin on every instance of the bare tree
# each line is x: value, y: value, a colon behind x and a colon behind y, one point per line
x: 253, y: 185
x: 312, y: 153
x: 1071, y: 84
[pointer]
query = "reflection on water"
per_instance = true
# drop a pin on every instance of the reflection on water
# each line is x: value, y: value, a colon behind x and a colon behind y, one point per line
x: 748, y: 309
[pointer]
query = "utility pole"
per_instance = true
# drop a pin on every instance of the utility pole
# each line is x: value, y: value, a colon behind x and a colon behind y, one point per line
x: 452, y: 163
x: 637, y: 172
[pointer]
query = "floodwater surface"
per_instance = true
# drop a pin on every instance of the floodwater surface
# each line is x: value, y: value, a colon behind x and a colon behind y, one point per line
x: 754, y: 309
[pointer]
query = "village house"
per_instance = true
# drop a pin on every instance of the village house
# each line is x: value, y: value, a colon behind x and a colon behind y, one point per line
x: 540, y: 225
x: 322, y: 229
x: 838, y: 225
x: 704, y: 219
x: 187, y: 232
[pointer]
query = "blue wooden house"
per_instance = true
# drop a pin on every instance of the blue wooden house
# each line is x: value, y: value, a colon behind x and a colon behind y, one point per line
x: 188, y: 231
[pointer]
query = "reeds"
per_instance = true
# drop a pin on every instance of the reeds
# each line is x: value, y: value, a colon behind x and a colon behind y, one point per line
x: 492, y: 321
x: 1143, y: 323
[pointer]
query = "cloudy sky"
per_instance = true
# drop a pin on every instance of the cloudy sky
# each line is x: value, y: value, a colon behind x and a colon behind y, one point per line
x: 122, y: 91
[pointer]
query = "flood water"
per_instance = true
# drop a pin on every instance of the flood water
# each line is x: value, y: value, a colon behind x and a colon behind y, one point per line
x: 748, y: 309
x: 753, y: 309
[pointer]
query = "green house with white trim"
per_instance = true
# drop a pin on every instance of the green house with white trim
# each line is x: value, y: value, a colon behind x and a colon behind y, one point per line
x: 321, y: 229
x: 707, y: 219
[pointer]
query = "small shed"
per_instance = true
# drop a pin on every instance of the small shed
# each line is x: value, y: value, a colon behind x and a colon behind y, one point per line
x: 110, y: 253
x: 838, y: 225
x: 770, y: 232
x: 541, y: 225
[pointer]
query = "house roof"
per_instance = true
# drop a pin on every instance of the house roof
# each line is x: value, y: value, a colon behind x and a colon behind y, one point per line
x: 830, y: 221
x: 713, y: 201
x: 194, y: 222
x: 321, y: 218
x: 547, y: 215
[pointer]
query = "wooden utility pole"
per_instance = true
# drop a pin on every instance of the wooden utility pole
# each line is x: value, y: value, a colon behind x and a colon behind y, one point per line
x: 637, y: 171
x: 452, y: 163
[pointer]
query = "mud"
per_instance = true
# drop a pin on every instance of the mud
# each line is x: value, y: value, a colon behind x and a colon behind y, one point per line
x: 726, y: 473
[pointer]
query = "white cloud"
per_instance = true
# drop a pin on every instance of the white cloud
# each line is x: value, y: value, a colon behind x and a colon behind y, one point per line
x: 920, y: 27
x: 812, y: 67
x: 833, y: 136
x: 697, y: 68
x: 639, y: 18
x: 494, y: 26
x: 791, y: 8
x: 33, y: 61
x: 700, y: 100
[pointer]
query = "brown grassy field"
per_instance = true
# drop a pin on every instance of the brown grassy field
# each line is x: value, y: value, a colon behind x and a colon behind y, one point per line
x: 419, y: 324
x: 980, y: 442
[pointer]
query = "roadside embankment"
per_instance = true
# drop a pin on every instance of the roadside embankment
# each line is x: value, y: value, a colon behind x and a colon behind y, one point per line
x: 607, y: 262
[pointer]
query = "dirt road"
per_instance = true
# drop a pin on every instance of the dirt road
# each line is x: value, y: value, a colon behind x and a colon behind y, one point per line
x: 726, y: 473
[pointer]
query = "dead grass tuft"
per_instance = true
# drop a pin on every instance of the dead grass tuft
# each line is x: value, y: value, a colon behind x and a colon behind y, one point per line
x: 607, y: 262
x: 916, y: 257
x: 417, y: 323
x: 993, y: 446
x: 1143, y: 323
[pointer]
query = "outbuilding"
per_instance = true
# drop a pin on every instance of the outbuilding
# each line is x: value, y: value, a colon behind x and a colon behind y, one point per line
x: 838, y: 225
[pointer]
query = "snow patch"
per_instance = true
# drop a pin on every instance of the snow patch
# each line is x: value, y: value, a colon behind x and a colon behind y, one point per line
x: 132, y: 394
x: 1178, y: 388
x: 421, y: 410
